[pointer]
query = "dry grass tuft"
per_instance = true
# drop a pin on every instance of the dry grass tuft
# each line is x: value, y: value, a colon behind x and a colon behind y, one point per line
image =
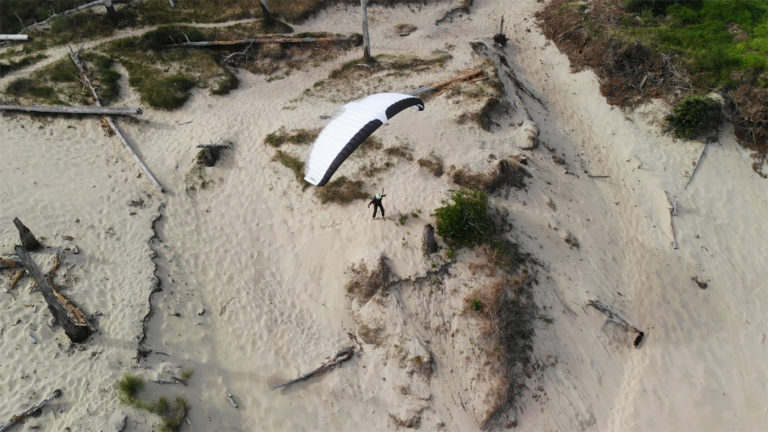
x: 364, y: 284
x: 433, y: 164
x: 508, y: 172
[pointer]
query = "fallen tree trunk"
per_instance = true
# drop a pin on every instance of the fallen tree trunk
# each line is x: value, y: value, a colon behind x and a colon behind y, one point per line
x: 263, y: 40
x: 343, y: 355
x: 60, y: 109
x: 28, y: 240
x: 68, y: 315
x: 474, y: 74
x: 14, y: 37
x: 84, y: 76
x: 618, y: 319
x: 18, y: 418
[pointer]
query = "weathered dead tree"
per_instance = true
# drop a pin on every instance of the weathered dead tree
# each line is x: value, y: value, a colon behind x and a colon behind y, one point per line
x: 14, y: 37
x: 439, y: 87
x: 86, y: 79
x: 366, y: 38
x: 500, y: 38
x: 76, y: 9
x: 340, y: 357
x: 77, y: 110
x: 111, y: 12
x: 31, y: 411
x: 263, y: 40
x: 672, y: 213
x: 615, y: 317
x: 70, y: 318
x: 269, y: 19
x: 28, y: 240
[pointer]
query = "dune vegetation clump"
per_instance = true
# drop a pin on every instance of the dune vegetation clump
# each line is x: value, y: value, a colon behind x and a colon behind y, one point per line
x: 694, y: 117
x: 171, y: 414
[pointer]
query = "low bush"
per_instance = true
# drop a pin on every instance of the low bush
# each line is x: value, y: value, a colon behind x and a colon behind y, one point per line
x: 129, y: 387
x: 694, y: 116
x: 167, y: 93
x: 465, y: 222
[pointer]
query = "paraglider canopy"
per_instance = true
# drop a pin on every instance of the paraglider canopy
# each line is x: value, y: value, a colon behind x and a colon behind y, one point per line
x: 356, y: 122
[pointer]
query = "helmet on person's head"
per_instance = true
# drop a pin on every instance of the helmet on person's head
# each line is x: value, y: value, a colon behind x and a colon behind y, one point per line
x: 378, y: 196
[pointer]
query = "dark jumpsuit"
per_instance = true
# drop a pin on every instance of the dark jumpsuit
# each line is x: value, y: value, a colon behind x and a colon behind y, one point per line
x: 376, y: 201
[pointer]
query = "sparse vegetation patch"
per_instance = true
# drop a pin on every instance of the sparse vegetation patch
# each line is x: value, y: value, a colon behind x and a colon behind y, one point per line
x: 364, y: 284
x: 171, y: 414
x: 506, y: 173
x: 341, y: 191
x: 672, y: 50
x: 295, y: 136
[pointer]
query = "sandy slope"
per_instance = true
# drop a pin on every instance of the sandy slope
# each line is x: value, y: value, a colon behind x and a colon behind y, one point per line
x: 253, y: 268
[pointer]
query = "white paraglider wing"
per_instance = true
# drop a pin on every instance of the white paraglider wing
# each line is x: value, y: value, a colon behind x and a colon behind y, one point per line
x: 357, y: 121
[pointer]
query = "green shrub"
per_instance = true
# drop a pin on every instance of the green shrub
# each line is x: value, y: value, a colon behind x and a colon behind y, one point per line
x: 129, y: 387
x: 694, y: 116
x: 27, y: 87
x: 476, y: 305
x: 465, y: 222
x: 168, y: 92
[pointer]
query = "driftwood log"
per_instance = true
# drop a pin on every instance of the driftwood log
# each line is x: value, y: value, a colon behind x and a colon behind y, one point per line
x: 70, y: 318
x: 696, y: 167
x: 438, y: 87
x: 84, y: 110
x: 269, y: 18
x: 263, y: 40
x: 28, y: 240
x: 18, y: 418
x: 75, y: 56
x: 343, y: 355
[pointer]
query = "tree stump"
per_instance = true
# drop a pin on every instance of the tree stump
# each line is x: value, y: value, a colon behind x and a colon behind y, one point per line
x: 28, y: 241
x: 428, y: 243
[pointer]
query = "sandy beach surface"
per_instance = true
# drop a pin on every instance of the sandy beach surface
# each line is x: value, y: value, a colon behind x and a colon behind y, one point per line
x: 251, y: 270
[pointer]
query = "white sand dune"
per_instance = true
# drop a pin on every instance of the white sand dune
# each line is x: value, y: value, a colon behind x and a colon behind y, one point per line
x: 252, y: 269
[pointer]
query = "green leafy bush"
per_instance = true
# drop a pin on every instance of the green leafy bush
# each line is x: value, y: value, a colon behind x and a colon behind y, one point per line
x: 129, y: 387
x: 465, y: 222
x: 694, y: 116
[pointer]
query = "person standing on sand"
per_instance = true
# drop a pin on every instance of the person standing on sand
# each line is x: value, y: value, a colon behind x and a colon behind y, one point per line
x: 376, y: 201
